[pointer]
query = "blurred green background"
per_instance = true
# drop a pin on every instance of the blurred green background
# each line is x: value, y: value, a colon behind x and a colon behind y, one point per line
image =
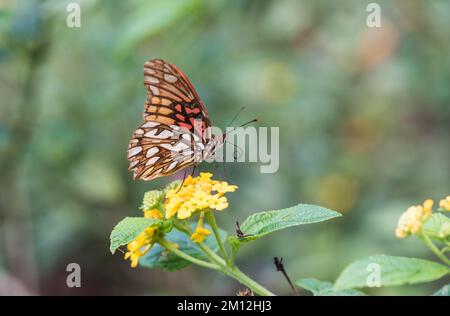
x: 363, y: 114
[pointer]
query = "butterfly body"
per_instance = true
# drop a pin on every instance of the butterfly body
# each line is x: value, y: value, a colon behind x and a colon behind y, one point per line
x: 176, y: 132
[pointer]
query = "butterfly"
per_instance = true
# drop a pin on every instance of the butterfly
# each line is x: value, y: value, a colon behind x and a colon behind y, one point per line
x: 176, y: 132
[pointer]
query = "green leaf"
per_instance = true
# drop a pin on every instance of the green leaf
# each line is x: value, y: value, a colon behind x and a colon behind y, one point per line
x: 263, y: 223
x: 390, y: 270
x: 128, y: 229
x: 444, y: 291
x: 437, y: 227
x: 157, y: 257
x: 323, y: 288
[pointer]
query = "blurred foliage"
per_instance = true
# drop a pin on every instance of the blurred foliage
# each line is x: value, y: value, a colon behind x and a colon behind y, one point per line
x: 363, y: 112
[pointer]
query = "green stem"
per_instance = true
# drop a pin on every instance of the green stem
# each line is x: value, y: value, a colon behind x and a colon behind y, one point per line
x: 248, y: 282
x: 235, y: 273
x: 217, y: 261
x: 169, y: 246
x: 434, y: 249
x: 212, y: 255
x: 212, y: 222
x: 182, y: 227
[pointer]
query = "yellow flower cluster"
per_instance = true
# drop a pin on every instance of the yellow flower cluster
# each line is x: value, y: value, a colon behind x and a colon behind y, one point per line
x: 197, y: 194
x: 410, y: 222
x: 445, y: 203
x: 144, y: 242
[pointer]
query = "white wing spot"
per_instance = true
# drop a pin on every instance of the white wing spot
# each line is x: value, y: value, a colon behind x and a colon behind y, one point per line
x: 134, y: 151
x: 170, y: 78
x: 163, y: 135
x: 150, y: 79
x: 167, y: 146
x: 151, y: 151
x: 187, y: 136
x: 172, y: 165
x: 150, y: 124
x: 187, y: 153
x: 140, y: 131
x: 151, y: 161
x: 151, y: 133
x: 133, y: 163
x: 177, y: 147
x: 180, y: 146
x: 154, y: 90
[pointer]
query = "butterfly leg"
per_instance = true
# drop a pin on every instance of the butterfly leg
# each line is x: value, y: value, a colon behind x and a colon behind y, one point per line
x: 193, y: 171
x: 184, y: 177
x: 225, y: 174
x: 182, y: 182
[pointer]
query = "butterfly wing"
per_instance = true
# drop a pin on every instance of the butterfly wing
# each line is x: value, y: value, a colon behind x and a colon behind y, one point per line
x: 171, y: 94
x: 159, y: 150
x: 176, y: 125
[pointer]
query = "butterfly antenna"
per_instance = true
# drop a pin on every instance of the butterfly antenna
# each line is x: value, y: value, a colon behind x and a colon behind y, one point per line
x: 235, y: 146
x: 245, y: 124
x: 249, y: 122
x: 236, y: 115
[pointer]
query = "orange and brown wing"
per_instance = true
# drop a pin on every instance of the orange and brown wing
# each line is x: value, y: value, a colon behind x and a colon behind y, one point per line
x: 175, y: 122
x: 172, y: 100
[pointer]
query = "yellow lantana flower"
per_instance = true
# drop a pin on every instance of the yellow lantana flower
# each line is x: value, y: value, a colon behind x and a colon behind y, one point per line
x: 154, y: 213
x: 428, y: 207
x: 197, y: 194
x: 410, y: 222
x: 445, y: 203
x: 144, y: 241
x: 200, y: 232
x: 140, y: 246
